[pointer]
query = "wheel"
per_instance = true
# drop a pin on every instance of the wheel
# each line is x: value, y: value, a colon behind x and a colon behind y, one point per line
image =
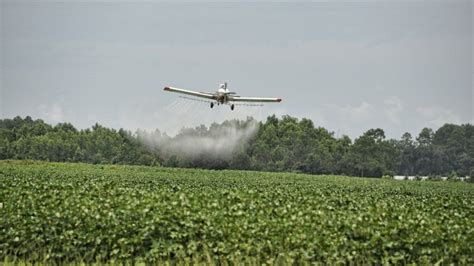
x: 212, y: 105
x: 232, y: 107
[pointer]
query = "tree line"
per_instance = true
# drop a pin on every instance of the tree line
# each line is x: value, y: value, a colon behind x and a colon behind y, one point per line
x: 278, y: 144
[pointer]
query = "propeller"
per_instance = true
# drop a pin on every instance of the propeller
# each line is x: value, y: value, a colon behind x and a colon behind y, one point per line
x: 227, y: 91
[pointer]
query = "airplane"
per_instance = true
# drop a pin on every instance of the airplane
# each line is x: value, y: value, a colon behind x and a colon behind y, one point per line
x: 222, y: 96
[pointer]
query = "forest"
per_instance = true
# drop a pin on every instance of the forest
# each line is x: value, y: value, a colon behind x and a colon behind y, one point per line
x: 277, y: 144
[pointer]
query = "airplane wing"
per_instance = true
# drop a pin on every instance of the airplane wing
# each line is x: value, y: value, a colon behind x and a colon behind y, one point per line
x: 193, y: 93
x: 253, y: 99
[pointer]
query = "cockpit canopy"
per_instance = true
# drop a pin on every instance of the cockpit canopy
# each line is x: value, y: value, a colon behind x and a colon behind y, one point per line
x: 223, y: 86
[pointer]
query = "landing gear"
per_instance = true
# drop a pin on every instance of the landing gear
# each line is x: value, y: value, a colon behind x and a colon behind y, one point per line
x: 232, y: 107
x: 212, y: 105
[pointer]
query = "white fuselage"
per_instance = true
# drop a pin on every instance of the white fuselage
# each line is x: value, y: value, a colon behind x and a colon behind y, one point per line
x: 222, y: 94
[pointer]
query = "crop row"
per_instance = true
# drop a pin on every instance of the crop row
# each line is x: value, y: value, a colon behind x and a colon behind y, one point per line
x: 78, y: 212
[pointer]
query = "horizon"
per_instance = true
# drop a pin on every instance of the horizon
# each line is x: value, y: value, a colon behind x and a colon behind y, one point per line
x: 207, y: 126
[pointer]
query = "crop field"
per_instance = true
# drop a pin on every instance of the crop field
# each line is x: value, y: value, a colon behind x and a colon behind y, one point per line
x: 59, y: 212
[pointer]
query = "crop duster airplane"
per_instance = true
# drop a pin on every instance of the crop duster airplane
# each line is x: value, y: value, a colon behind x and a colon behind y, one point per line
x: 223, y: 96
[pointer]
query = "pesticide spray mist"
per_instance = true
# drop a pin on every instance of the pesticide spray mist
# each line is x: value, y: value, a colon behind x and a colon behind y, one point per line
x: 193, y: 146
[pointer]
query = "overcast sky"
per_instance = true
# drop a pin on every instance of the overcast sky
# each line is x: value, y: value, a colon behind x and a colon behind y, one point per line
x: 397, y: 65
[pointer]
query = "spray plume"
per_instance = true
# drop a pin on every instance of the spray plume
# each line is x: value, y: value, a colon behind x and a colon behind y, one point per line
x: 218, y: 142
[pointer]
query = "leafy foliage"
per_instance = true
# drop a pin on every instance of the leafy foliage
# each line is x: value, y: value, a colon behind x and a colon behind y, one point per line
x: 285, y: 144
x: 57, y: 212
x: 34, y: 139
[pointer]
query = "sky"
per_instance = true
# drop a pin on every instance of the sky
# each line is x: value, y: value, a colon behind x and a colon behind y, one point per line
x: 349, y: 67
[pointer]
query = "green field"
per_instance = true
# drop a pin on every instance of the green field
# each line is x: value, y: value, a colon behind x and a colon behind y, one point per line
x: 60, y: 212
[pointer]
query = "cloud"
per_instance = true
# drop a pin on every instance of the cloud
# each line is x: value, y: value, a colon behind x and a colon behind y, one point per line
x: 353, y: 113
x: 393, y: 108
x: 51, y: 113
x: 350, y: 119
x: 438, y: 116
